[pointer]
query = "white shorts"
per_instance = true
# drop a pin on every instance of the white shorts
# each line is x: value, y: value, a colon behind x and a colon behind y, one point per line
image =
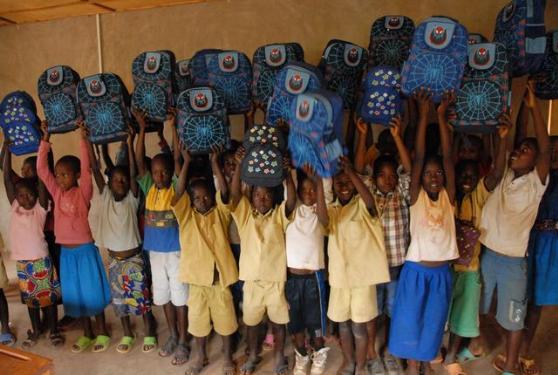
x: 166, y: 286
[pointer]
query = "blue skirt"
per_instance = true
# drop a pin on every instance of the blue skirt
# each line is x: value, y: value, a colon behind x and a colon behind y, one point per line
x: 420, y: 311
x: 83, y: 281
x: 543, y: 267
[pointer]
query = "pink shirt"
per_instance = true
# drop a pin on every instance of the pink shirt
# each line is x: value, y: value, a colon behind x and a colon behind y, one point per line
x: 71, y: 207
x: 25, y: 232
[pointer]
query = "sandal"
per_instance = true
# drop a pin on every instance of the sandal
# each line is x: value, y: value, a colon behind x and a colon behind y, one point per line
x: 7, y: 339
x: 31, y: 340
x: 500, y: 369
x: 149, y: 344
x: 81, y: 344
x: 181, y: 355
x: 455, y: 369
x: 466, y: 355
x: 125, y: 344
x: 102, y: 343
x: 528, y: 366
x: 56, y: 339
x: 169, y: 347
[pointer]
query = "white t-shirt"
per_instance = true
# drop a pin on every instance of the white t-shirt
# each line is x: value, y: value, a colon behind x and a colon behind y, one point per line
x: 305, y: 240
x: 114, y: 225
x: 510, y: 212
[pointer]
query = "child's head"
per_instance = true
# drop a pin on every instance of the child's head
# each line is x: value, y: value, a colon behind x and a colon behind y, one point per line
x: 201, y: 195
x: 162, y: 170
x: 433, y: 176
x: 470, y: 147
x: 524, y: 157
x: 306, y: 189
x: 385, y: 173
x: 29, y: 167
x: 262, y: 199
x: 386, y: 143
x: 26, y: 192
x: 467, y: 175
x: 343, y: 187
x: 67, y: 172
x: 119, y: 181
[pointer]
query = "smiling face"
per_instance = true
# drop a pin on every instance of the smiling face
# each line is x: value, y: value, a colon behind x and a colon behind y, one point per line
x: 523, y: 159
x: 307, y: 192
x: 433, y: 178
x: 343, y: 188
x: 262, y: 199
x: 466, y: 178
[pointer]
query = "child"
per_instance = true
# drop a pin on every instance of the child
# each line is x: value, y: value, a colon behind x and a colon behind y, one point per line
x: 263, y: 264
x: 305, y: 287
x: 357, y: 262
x: 472, y: 192
x: 507, y: 218
x: 6, y: 335
x: 424, y: 291
x: 391, y: 191
x: 83, y: 281
x: 115, y: 228
x: 161, y: 241
x: 207, y: 264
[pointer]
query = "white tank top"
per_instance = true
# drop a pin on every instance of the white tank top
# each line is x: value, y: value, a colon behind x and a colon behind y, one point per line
x: 305, y: 240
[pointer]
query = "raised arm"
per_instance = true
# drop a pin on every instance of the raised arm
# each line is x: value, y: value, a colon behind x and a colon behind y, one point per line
x: 175, y: 141
x: 214, y: 157
x: 360, y: 154
x: 132, y: 162
x: 85, y: 183
x: 106, y: 157
x: 543, y: 140
x: 43, y: 171
x: 360, y: 187
x: 236, y: 192
x: 95, y: 168
x: 6, y: 169
x: 395, y: 130
x: 496, y: 173
x: 182, y: 176
x: 140, y: 144
x: 445, y: 140
x: 423, y: 99
x: 291, y: 190
x: 321, y: 205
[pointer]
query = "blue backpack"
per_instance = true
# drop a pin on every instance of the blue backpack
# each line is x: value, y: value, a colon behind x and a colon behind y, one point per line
x: 266, y: 63
x: 485, y: 90
x: 202, y: 120
x: 153, y: 74
x: 546, y: 86
x: 390, y: 40
x: 104, y: 101
x: 520, y: 28
x: 19, y: 122
x: 57, y: 92
x: 198, y: 66
x: 381, y: 98
x: 342, y: 64
x: 182, y: 76
x: 295, y: 78
x: 437, y: 58
x: 316, y: 127
x: 475, y: 38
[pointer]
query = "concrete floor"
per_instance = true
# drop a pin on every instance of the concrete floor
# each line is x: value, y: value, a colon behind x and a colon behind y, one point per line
x: 136, y: 362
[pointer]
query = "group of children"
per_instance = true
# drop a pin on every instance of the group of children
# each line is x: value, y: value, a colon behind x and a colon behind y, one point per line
x: 414, y: 240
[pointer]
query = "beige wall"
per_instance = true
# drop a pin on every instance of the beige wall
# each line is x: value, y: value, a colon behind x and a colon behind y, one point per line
x: 28, y: 49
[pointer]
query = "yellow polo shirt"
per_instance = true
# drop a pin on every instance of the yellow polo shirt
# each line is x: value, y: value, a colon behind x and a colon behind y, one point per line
x: 204, y: 243
x: 262, y: 242
x: 357, y: 255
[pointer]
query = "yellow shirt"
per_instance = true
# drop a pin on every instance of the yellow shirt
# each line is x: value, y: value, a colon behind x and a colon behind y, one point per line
x: 470, y: 210
x: 357, y: 255
x: 204, y: 243
x: 262, y: 242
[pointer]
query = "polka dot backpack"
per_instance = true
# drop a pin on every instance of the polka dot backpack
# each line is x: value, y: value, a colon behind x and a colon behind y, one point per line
x: 381, y: 95
x: 19, y: 122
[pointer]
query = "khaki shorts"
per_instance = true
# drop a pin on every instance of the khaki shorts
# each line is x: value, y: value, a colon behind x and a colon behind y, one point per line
x: 261, y: 297
x: 358, y: 304
x: 208, y: 304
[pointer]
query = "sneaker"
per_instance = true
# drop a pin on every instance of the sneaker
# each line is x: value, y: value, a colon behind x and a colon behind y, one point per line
x: 376, y: 366
x: 319, y: 360
x: 392, y: 365
x: 301, y: 363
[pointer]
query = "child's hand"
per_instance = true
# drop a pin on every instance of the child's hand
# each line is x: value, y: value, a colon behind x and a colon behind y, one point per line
x: 447, y: 99
x: 171, y: 116
x: 140, y: 116
x: 84, y: 130
x: 185, y: 154
x: 287, y: 166
x: 423, y: 97
x: 44, y: 129
x: 345, y: 164
x: 215, y: 153
x: 240, y: 154
x: 395, y: 126
x: 310, y: 172
x: 505, y: 126
x: 362, y: 126
x: 530, y: 99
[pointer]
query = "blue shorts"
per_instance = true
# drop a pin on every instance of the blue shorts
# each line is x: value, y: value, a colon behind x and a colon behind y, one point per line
x: 543, y: 268
x: 420, y: 311
x: 386, y: 292
x: 507, y: 275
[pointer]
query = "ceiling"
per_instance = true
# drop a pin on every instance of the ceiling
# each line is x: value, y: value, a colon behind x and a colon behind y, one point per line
x: 24, y: 11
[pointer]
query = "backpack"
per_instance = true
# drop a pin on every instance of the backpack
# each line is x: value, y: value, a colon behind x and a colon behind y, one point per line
x: 342, y: 64
x: 381, y: 99
x: 198, y: 66
x: 104, y: 101
x: 546, y: 86
x: 264, y: 134
x: 316, y: 131
x: 485, y: 90
x: 390, y: 40
x: 202, y: 120
x: 19, y: 122
x: 475, y: 38
x: 262, y: 166
x: 153, y: 74
x: 520, y: 28
x: 266, y: 63
x: 182, y: 76
x: 295, y: 78
x: 437, y: 58
x: 57, y: 92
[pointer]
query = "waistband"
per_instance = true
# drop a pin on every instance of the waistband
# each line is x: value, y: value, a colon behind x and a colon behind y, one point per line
x: 425, y: 269
x: 117, y: 256
x: 83, y: 247
x: 308, y: 276
x: 501, y: 257
x: 546, y: 225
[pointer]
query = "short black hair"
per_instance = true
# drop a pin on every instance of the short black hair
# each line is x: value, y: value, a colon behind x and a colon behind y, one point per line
x: 386, y: 143
x: 532, y: 143
x: 436, y: 159
x: 466, y: 163
x: 200, y: 183
x: 122, y: 169
x: 31, y: 160
x: 166, y: 160
x: 382, y: 161
x: 71, y: 161
x: 29, y: 184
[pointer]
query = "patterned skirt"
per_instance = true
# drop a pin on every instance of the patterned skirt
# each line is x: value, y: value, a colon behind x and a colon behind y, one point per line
x: 129, y: 287
x: 38, y: 282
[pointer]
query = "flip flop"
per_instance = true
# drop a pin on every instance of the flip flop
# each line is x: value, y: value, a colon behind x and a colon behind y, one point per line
x: 149, y: 341
x: 31, y: 340
x: 528, y: 366
x: 81, y: 344
x: 466, y: 355
x: 282, y: 368
x: 56, y: 339
x: 7, y: 339
x: 103, y: 342
x: 125, y: 344
x: 455, y: 369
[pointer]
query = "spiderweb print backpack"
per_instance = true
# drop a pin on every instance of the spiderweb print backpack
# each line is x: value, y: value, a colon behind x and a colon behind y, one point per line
x: 520, y: 28
x: 390, y: 40
x: 381, y: 99
x: 316, y: 131
x: 19, y: 122
x: 153, y: 74
x: 546, y: 86
x: 485, y: 90
x: 342, y: 64
x: 202, y: 120
x: 182, y: 76
x: 57, y: 92
x: 295, y: 78
x: 104, y: 101
x: 266, y: 63
x: 437, y: 58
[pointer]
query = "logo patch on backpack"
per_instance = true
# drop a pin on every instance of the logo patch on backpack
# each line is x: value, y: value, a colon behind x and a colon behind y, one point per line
x: 296, y: 81
x: 353, y: 55
x: 228, y: 61
x: 152, y: 62
x: 305, y: 108
x: 201, y: 100
x: 55, y: 76
x: 439, y: 35
x: 275, y: 55
x: 394, y: 22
